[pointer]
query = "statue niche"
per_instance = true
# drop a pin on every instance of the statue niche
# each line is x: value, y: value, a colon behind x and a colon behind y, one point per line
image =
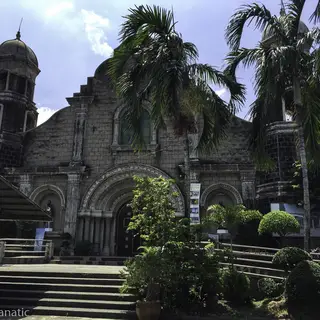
x: 51, y: 203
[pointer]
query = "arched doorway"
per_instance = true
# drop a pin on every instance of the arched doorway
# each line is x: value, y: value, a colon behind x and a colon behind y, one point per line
x: 127, y: 242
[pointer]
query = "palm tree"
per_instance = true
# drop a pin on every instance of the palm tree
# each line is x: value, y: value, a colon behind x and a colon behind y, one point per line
x: 154, y: 65
x: 286, y: 74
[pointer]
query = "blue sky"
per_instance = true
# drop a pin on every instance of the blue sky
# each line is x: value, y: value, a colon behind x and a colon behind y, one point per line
x: 72, y: 37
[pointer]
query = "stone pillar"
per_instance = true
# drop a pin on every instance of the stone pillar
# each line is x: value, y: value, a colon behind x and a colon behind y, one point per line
x: 80, y: 229
x: 86, y: 228
x: 91, y: 237
x: 97, y: 230
x: 25, y: 184
x: 80, y: 104
x: 102, y: 233
x: 107, y: 250
x: 73, y: 201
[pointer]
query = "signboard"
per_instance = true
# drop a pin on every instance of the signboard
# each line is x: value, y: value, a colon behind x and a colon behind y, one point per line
x: 195, y: 203
x: 39, y: 238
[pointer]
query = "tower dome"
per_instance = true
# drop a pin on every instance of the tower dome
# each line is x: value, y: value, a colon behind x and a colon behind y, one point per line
x: 268, y: 35
x: 18, y: 49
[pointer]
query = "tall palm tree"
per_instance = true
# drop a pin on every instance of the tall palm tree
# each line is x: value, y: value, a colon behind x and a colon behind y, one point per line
x: 154, y: 65
x: 286, y: 73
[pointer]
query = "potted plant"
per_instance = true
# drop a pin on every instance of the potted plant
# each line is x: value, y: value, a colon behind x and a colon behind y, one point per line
x: 142, y: 275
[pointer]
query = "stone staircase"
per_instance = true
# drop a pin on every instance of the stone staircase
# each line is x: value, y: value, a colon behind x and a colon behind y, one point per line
x: 90, y: 260
x: 75, y: 293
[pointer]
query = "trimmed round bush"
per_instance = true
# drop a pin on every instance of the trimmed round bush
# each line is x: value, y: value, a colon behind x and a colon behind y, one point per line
x: 287, y: 258
x: 279, y: 222
x: 235, y: 286
x: 269, y: 288
x: 302, y: 289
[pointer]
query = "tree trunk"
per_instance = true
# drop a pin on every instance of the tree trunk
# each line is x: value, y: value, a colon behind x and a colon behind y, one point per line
x: 304, y: 164
x: 187, y: 171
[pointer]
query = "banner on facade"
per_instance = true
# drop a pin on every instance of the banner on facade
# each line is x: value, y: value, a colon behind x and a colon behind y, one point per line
x: 195, y: 203
x: 39, y: 238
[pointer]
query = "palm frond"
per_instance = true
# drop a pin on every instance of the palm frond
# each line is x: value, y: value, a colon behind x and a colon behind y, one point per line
x: 153, y: 20
x: 253, y: 13
x: 315, y: 17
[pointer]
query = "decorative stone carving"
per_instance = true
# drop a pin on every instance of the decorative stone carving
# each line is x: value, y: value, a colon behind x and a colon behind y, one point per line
x: 104, y: 184
x: 73, y: 196
x: 248, y: 185
x: 51, y: 187
x: 25, y: 184
x: 223, y: 187
x: 80, y: 104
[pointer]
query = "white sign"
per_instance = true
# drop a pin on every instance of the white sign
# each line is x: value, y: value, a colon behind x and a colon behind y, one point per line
x: 194, y: 203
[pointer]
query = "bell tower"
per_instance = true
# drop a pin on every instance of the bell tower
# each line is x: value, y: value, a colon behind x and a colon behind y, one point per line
x: 18, y: 113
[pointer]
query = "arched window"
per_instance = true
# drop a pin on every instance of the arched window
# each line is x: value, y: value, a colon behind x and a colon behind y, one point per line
x: 126, y: 134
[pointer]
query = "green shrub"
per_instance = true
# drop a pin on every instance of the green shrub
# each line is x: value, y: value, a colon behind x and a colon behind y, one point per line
x: 235, y: 286
x: 83, y: 248
x: 287, y: 258
x: 302, y: 289
x: 269, y: 288
x: 279, y: 222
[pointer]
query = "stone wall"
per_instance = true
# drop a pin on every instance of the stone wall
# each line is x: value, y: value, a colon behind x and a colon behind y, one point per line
x: 51, y: 143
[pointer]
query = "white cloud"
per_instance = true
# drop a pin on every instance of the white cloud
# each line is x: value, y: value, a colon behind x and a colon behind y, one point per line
x: 221, y: 92
x: 66, y: 19
x: 95, y: 27
x: 44, y: 114
x: 58, y: 8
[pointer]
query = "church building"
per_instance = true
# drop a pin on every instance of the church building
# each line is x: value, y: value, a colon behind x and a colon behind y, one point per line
x: 79, y: 164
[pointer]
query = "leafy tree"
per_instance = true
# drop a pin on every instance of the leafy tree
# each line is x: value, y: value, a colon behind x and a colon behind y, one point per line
x: 154, y: 213
x: 154, y: 66
x: 279, y: 222
x: 286, y: 77
x: 230, y: 217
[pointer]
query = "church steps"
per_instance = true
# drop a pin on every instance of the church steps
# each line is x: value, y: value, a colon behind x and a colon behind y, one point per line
x: 76, y: 312
x: 68, y: 295
x: 41, y: 279
x: 60, y: 287
x: 63, y: 274
x: 86, y: 292
x: 68, y: 303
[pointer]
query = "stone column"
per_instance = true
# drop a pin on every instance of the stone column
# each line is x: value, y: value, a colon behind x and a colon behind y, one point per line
x: 91, y: 238
x: 80, y: 104
x: 80, y: 229
x: 97, y: 230
x: 102, y: 233
x: 73, y: 201
x: 107, y: 250
x: 86, y: 228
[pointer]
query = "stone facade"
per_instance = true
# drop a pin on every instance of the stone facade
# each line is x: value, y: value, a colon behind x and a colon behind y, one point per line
x: 78, y: 161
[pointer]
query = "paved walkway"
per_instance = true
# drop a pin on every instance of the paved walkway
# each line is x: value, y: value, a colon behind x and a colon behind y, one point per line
x: 72, y: 268
x: 52, y: 318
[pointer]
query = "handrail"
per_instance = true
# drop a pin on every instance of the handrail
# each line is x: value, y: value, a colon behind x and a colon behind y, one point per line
x: 21, y: 239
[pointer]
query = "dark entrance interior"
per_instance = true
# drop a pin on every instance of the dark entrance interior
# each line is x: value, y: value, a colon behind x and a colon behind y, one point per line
x: 127, y: 242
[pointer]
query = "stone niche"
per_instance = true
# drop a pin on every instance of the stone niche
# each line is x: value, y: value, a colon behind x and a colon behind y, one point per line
x: 49, y: 200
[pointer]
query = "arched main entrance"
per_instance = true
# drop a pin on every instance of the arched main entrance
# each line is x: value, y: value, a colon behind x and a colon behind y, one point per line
x: 127, y: 241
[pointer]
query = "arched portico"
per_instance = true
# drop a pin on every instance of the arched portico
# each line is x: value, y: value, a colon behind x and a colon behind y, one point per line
x: 104, y: 199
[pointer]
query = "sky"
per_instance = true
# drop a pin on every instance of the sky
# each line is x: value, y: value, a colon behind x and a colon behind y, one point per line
x: 72, y: 37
